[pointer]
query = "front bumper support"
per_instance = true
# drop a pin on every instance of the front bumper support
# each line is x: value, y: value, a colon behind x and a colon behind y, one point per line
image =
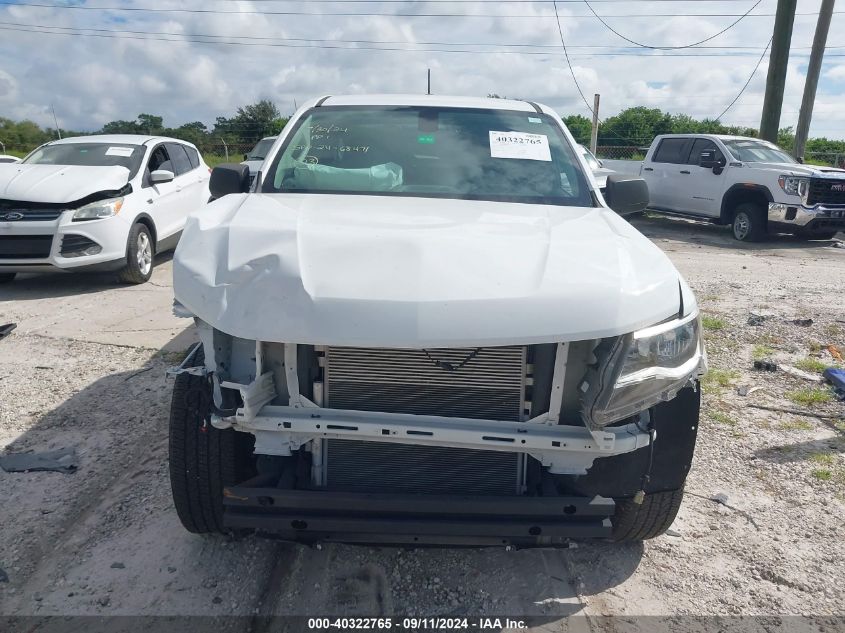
x: 314, y: 515
x: 566, y: 450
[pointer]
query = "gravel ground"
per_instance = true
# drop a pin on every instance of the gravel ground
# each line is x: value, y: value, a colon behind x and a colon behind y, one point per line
x: 85, y: 369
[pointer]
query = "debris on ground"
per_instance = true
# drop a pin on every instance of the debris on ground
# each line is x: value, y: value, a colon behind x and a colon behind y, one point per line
x: 834, y: 351
x: 802, y: 322
x: 5, y: 330
x: 745, y: 390
x: 756, y: 319
x: 800, y: 373
x: 836, y: 377
x: 4, y: 577
x: 720, y: 497
x: 63, y: 460
x: 765, y: 365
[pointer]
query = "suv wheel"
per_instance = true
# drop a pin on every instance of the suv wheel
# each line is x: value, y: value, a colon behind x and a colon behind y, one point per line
x: 139, y: 256
x: 749, y: 223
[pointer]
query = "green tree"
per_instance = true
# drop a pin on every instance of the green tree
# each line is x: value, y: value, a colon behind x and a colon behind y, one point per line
x: 580, y: 126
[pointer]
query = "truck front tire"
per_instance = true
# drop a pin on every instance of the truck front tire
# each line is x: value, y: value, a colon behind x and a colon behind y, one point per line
x: 652, y: 517
x: 203, y: 459
x: 749, y: 223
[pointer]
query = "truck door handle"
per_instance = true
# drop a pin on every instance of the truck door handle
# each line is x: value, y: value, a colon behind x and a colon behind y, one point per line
x: 648, y: 169
x: 684, y: 171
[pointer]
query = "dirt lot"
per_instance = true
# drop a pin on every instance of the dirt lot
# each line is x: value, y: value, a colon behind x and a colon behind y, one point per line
x: 85, y: 369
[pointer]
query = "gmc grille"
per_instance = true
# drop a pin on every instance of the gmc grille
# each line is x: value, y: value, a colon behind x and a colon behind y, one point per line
x: 826, y: 191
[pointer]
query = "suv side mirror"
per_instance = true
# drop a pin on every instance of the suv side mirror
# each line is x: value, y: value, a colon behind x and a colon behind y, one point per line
x: 161, y: 175
x: 626, y: 194
x: 228, y: 178
x: 246, y: 156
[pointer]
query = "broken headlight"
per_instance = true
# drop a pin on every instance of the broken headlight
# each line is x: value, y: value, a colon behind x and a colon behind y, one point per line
x: 636, y: 371
x: 99, y: 209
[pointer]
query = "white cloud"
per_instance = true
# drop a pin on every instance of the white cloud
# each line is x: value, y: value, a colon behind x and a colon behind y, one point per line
x: 96, y: 79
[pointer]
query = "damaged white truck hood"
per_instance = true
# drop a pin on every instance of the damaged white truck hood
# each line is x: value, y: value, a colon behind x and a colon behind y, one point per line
x: 58, y: 183
x: 381, y: 271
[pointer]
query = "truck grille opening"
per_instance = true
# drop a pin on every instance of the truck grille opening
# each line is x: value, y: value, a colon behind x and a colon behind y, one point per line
x: 484, y: 383
x: 826, y: 191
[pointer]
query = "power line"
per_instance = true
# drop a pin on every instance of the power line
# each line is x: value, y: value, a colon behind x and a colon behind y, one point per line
x: 667, y: 48
x: 344, y: 41
x: 753, y: 72
x: 167, y: 37
x: 78, y: 7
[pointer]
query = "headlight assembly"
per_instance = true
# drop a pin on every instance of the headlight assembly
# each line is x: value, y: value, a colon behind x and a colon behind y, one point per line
x: 98, y: 209
x: 794, y: 185
x: 637, y: 371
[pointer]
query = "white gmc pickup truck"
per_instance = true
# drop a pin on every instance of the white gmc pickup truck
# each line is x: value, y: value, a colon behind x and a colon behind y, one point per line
x: 748, y: 183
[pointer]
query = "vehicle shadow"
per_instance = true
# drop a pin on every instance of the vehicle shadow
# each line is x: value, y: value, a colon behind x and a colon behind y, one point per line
x: 32, y: 286
x: 656, y: 226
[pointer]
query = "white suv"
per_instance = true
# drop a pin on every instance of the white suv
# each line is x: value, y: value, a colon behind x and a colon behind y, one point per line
x: 749, y: 183
x: 108, y: 202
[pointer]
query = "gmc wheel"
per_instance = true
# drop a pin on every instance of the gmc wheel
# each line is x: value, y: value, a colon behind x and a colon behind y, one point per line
x: 749, y: 223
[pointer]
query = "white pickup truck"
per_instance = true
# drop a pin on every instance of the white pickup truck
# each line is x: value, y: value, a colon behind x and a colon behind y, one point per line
x: 748, y: 183
x: 423, y: 323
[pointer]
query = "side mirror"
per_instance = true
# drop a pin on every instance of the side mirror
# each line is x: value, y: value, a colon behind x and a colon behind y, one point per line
x: 161, y: 175
x: 626, y: 194
x: 229, y: 178
x: 246, y: 156
x: 708, y: 159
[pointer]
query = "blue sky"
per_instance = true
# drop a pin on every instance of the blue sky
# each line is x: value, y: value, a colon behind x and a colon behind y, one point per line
x: 95, y: 79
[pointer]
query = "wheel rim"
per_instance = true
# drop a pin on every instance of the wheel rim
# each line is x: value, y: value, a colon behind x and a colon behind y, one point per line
x: 144, y: 253
x: 742, y: 226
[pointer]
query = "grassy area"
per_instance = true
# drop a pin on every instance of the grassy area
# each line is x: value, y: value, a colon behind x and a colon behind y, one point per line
x: 822, y: 474
x: 812, y: 364
x: 809, y: 397
x: 212, y: 160
x: 719, y: 377
x: 713, y: 323
x: 796, y: 425
x: 723, y: 418
x: 761, y: 351
x: 825, y: 459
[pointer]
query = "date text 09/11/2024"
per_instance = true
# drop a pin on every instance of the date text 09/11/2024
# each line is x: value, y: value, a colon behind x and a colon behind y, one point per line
x: 415, y: 624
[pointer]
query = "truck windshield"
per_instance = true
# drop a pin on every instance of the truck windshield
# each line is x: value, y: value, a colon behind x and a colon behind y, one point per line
x: 259, y: 152
x: 459, y: 153
x: 89, y: 155
x: 758, y: 152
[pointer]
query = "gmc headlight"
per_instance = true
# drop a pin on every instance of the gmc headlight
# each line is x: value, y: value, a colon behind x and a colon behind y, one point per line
x: 794, y: 185
x: 637, y: 371
x: 99, y: 209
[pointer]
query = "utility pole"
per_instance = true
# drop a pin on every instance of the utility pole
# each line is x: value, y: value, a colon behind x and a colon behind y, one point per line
x: 428, y: 92
x: 56, y: 121
x: 778, y: 59
x: 594, y: 136
x: 812, y: 81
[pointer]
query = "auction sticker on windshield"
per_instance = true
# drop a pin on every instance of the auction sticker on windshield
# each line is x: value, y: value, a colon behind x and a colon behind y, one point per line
x: 119, y: 151
x: 520, y: 145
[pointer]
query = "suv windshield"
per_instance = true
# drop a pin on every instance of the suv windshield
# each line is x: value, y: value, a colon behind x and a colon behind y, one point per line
x: 475, y: 154
x: 758, y: 152
x: 89, y: 155
x: 259, y: 152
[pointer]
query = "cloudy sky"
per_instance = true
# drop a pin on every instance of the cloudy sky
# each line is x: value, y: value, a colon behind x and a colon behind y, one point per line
x: 198, y: 59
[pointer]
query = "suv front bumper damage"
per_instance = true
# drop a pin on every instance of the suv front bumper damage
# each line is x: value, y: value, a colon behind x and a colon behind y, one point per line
x: 313, y: 515
x: 810, y: 219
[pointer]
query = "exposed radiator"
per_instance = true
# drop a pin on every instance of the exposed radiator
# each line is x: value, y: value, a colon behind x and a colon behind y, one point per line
x: 490, y: 385
x: 487, y: 383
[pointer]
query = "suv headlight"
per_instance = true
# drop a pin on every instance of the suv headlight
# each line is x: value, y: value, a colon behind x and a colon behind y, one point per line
x: 98, y: 209
x: 639, y: 370
x: 794, y: 185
